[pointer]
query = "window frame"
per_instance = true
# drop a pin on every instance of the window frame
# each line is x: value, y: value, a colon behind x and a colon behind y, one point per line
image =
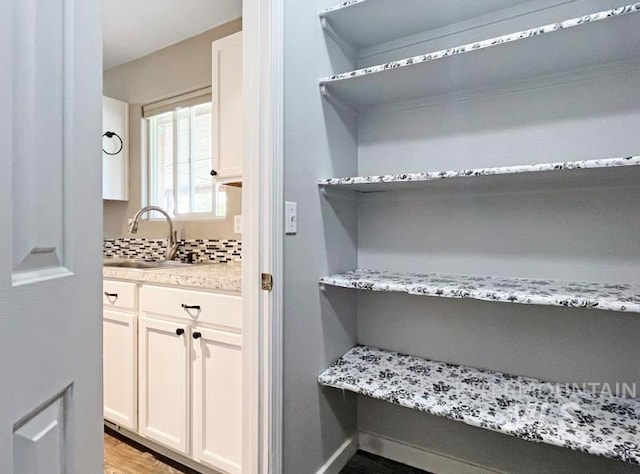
x: 151, y: 184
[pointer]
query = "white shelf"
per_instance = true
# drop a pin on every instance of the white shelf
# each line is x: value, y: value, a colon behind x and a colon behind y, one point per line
x: 366, y: 23
x: 420, y: 180
x: 561, y: 415
x: 606, y: 37
x: 612, y: 297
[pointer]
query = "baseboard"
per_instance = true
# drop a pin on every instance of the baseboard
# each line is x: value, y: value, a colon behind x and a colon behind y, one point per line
x: 341, y: 457
x: 417, y: 457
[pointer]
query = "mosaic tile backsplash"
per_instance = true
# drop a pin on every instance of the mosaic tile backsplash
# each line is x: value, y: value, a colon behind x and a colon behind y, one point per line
x: 215, y: 251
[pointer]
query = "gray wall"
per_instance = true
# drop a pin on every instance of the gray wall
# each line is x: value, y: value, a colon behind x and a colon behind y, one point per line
x: 530, y: 227
x: 316, y: 330
x: 174, y: 70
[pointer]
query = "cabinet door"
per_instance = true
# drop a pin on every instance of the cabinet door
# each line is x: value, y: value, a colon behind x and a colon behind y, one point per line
x: 164, y: 382
x: 228, y: 112
x: 120, y: 357
x: 115, y: 167
x: 217, y: 399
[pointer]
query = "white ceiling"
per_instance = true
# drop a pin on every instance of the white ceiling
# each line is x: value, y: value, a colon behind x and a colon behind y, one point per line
x: 135, y: 28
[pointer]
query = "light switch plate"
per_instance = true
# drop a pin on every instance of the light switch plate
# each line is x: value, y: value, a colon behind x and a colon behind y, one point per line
x: 290, y: 217
x: 237, y: 224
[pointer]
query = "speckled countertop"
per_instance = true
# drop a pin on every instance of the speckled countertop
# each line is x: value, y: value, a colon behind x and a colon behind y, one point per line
x: 215, y: 276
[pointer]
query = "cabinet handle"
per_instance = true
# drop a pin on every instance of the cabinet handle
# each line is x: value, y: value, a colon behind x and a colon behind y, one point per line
x: 110, y: 295
x: 214, y: 173
x: 179, y: 331
x: 197, y: 335
x: 186, y: 306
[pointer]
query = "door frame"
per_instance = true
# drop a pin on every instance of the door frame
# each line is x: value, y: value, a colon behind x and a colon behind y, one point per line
x: 263, y: 233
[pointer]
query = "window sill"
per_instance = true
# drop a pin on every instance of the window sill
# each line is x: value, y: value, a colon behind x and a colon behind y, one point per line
x: 191, y: 218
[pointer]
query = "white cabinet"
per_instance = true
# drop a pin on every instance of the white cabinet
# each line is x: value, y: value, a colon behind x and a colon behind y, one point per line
x: 217, y: 399
x: 120, y: 296
x: 203, y: 364
x: 173, y: 369
x: 120, y: 353
x: 199, y: 307
x: 120, y: 368
x: 164, y: 382
x: 115, y: 149
x: 228, y: 112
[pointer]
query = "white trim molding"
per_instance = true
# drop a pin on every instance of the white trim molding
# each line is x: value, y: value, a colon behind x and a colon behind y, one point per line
x: 263, y: 222
x: 417, y: 457
x: 341, y: 457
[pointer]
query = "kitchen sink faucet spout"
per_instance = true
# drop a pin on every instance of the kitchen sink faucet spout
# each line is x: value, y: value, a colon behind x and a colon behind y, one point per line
x: 172, y: 241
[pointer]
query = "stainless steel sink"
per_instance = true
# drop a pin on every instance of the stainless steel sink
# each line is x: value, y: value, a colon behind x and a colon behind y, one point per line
x: 141, y: 264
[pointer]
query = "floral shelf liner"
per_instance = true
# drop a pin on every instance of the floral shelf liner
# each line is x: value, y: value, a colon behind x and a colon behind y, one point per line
x: 606, y: 296
x: 466, y: 173
x: 562, y: 415
x: 488, y: 43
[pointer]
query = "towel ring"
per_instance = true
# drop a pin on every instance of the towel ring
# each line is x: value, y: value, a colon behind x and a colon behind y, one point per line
x: 111, y: 135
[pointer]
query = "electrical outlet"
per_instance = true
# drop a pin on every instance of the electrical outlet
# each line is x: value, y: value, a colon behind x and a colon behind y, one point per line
x: 290, y: 217
x: 237, y: 224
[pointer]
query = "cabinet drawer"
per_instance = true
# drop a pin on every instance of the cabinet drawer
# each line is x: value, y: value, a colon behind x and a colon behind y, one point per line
x: 197, y: 306
x: 120, y: 295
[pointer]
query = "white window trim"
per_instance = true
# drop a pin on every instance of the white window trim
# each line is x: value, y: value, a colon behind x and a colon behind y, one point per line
x: 193, y: 217
x: 147, y: 171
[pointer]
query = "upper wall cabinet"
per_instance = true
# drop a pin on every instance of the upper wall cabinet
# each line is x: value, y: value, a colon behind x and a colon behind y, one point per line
x: 227, y: 122
x: 115, y: 149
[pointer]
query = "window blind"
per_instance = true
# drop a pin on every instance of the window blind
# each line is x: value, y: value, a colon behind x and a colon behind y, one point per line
x: 189, y: 99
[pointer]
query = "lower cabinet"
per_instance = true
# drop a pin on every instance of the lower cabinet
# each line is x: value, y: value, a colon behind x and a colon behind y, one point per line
x: 217, y: 399
x: 190, y: 374
x: 173, y: 369
x: 119, y: 367
x: 164, y: 358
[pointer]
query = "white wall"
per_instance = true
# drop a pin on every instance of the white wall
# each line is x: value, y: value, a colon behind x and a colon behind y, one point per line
x: 180, y: 68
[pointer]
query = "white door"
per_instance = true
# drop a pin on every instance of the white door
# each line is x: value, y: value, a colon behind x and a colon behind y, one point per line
x: 50, y: 237
x: 217, y: 399
x: 228, y: 108
x: 120, y: 368
x: 164, y: 382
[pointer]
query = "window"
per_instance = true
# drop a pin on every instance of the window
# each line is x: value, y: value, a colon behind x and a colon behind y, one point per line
x: 180, y: 160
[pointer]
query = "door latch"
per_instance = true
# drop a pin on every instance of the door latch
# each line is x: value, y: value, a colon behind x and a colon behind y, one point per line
x: 267, y: 281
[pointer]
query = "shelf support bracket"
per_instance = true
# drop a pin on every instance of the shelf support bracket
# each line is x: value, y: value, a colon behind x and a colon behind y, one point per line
x: 346, y: 48
x: 339, y: 105
x: 329, y: 192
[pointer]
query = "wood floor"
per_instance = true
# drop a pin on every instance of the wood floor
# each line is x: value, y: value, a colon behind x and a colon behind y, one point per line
x: 365, y: 463
x: 122, y: 456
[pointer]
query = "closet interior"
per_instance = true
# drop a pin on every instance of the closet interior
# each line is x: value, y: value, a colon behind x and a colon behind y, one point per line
x: 494, y: 223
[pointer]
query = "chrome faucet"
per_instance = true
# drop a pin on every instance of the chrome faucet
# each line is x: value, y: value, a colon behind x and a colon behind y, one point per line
x: 172, y: 241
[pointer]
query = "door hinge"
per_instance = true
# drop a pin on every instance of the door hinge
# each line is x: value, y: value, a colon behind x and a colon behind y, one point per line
x: 267, y: 281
